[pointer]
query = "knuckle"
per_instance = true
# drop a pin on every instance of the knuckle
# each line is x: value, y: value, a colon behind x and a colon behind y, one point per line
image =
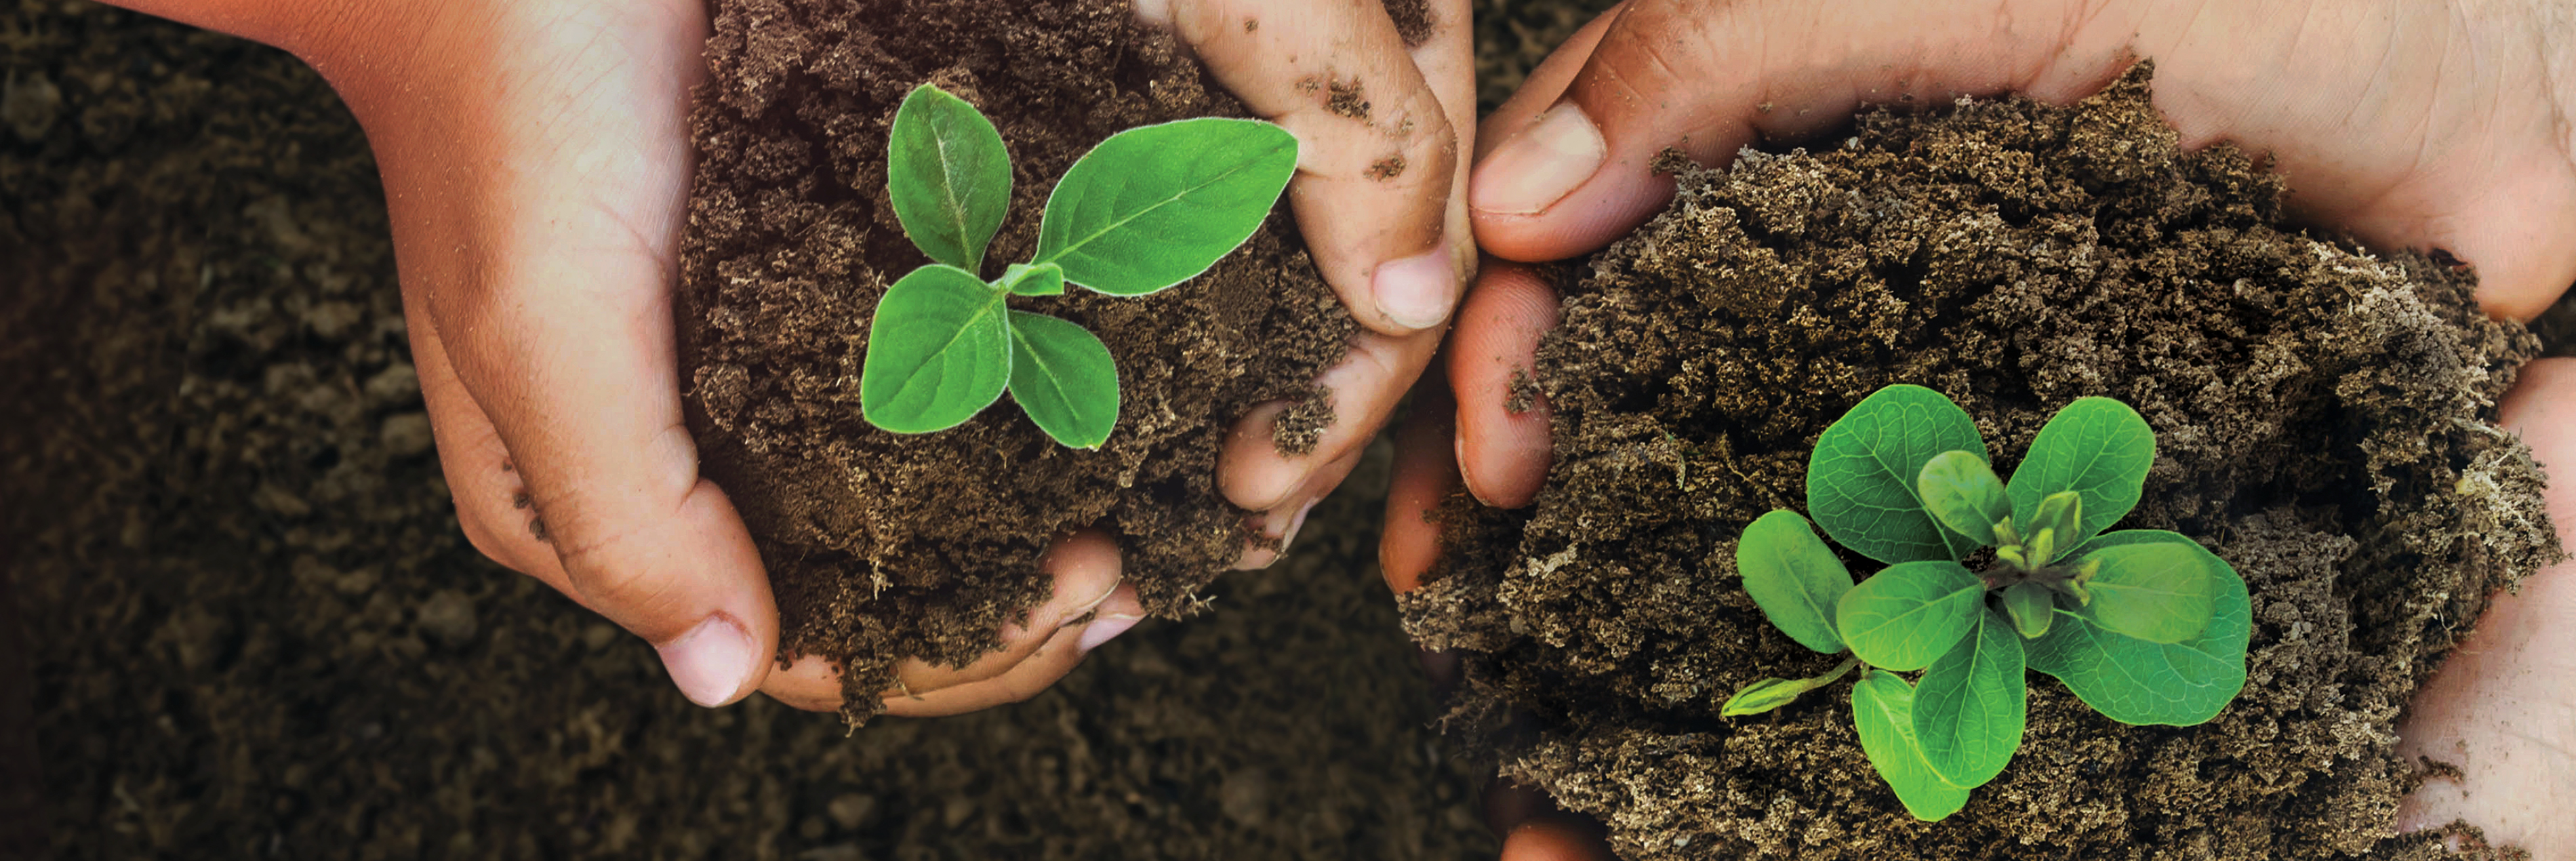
x: 489, y: 534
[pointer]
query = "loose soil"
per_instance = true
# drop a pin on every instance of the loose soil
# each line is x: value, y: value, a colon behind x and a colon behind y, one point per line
x: 255, y: 630
x: 883, y: 546
x: 2321, y: 421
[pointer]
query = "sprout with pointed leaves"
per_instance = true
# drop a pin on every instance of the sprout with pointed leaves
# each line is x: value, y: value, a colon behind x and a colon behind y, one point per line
x: 2145, y: 626
x: 1148, y: 208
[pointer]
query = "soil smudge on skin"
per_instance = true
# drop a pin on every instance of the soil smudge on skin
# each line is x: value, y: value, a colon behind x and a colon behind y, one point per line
x: 881, y: 545
x: 1344, y: 98
x: 2319, y: 415
x: 1412, y: 20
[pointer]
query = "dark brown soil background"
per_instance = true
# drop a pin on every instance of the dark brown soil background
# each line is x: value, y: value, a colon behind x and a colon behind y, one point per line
x: 255, y: 631
x: 2317, y: 414
x: 881, y: 545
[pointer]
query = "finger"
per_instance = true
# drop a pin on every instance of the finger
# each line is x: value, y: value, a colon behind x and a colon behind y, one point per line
x: 1255, y: 475
x: 491, y: 502
x: 1557, y: 837
x: 2509, y: 740
x: 811, y: 683
x: 1699, y: 76
x: 1502, y: 445
x: 1379, y: 155
x: 1087, y: 571
x: 1023, y: 680
x: 1509, y: 804
x: 1425, y: 475
x: 1275, y: 531
x: 544, y: 271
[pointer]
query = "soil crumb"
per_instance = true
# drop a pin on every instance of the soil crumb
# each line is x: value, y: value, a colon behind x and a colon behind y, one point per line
x: 1296, y: 431
x: 1344, y: 98
x: 1523, y: 394
x: 884, y: 546
x: 2322, y: 422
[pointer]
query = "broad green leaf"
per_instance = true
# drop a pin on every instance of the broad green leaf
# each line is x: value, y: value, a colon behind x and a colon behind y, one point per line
x: 938, y: 352
x: 2052, y: 529
x: 1064, y: 379
x: 948, y: 175
x: 1970, y: 704
x: 2097, y: 447
x: 2031, y: 608
x: 2137, y: 682
x: 1045, y: 279
x: 1768, y: 694
x: 1911, y: 613
x: 1883, y: 713
x: 2156, y: 591
x: 1860, y: 479
x: 1154, y: 206
x: 1793, y: 578
x: 1962, y: 492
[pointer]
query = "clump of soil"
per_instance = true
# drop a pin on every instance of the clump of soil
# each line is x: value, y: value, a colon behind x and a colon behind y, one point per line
x: 2322, y: 423
x: 882, y: 545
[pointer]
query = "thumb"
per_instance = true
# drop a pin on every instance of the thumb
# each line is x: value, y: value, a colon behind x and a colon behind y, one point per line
x: 2364, y: 107
x: 1570, y: 163
x: 536, y: 167
x: 1378, y: 177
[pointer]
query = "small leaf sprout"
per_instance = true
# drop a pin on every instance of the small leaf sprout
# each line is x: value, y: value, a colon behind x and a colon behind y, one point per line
x: 1148, y: 208
x: 2145, y: 626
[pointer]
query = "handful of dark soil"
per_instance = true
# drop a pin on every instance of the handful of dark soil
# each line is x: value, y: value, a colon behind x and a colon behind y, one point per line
x: 884, y: 546
x: 2323, y: 423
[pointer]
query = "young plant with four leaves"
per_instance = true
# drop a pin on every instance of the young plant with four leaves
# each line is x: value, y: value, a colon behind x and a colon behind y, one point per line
x: 1148, y: 208
x: 2145, y: 626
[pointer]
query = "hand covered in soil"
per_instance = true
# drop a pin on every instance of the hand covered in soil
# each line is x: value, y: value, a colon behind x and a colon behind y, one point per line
x: 536, y: 161
x: 2410, y: 125
x: 1378, y: 102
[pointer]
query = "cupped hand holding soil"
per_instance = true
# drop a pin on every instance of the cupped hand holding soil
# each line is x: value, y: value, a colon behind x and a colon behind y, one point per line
x: 539, y: 162
x: 2378, y: 128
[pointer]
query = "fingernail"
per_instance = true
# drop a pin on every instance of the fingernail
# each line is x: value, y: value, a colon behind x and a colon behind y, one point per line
x: 1417, y: 292
x: 1540, y: 166
x: 712, y: 661
x: 1102, y: 630
x: 1288, y: 536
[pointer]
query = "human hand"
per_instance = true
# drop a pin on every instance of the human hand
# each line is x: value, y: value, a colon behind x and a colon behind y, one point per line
x: 2380, y: 129
x: 1379, y: 195
x: 536, y: 162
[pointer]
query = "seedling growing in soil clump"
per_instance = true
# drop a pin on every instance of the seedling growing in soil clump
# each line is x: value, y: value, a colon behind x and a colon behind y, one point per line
x: 2145, y: 626
x: 1148, y: 208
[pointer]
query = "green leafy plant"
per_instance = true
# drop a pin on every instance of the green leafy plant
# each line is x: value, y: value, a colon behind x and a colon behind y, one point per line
x: 1148, y: 208
x: 2145, y: 626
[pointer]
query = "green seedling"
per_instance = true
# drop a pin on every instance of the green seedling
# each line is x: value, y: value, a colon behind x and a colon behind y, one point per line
x: 1148, y: 208
x: 2145, y: 626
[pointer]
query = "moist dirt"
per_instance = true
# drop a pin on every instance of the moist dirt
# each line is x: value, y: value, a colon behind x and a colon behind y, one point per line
x: 2321, y: 418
